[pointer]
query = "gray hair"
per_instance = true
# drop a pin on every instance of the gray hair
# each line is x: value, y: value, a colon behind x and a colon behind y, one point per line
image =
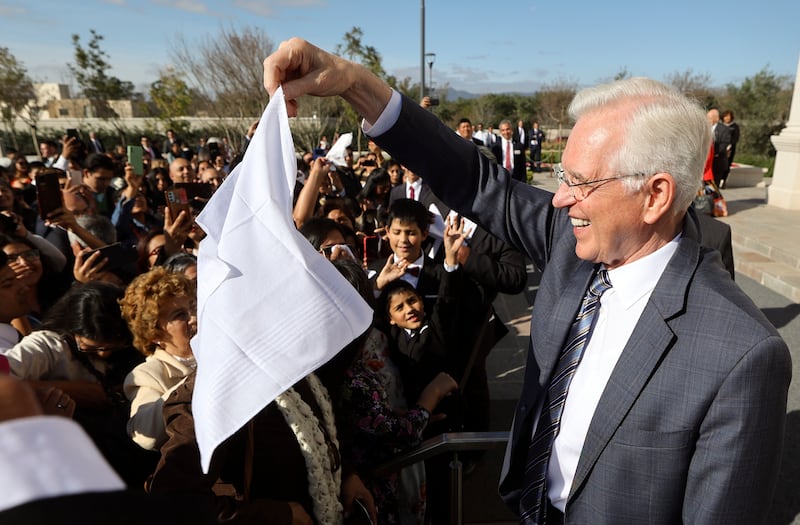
x: 98, y: 225
x: 664, y: 132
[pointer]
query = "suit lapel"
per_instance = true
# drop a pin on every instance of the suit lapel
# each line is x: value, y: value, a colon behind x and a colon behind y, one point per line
x: 548, y: 347
x: 651, y: 339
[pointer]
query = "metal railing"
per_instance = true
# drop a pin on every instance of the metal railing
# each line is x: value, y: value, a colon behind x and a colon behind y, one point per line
x: 447, y: 443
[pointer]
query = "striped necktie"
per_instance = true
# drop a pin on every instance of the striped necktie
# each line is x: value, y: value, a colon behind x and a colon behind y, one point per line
x: 533, y: 504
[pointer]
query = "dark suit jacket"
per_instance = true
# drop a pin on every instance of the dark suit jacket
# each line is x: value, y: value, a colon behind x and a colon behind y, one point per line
x: 716, y: 235
x: 535, y: 140
x: 518, y: 151
x: 425, y: 196
x: 123, y: 507
x: 690, y: 425
x: 722, y: 141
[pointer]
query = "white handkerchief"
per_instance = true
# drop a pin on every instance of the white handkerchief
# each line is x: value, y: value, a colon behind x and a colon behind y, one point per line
x: 339, y: 149
x: 270, y: 308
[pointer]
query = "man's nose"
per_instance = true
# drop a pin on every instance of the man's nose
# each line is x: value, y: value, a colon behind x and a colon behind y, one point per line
x: 563, y: 196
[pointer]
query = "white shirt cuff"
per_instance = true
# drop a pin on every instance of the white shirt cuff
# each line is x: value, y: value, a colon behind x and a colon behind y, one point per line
x: 450, y: 269
x: 387, y: 119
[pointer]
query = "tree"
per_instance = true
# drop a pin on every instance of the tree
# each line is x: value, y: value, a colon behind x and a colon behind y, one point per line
x: 696, y: 86
x: 761, y: 105
x: 553, y: 101
x: 355, y: 51
x: 91, y: 73
x: 16, y: 92
x: 172, y: 98
x: 227, y: 71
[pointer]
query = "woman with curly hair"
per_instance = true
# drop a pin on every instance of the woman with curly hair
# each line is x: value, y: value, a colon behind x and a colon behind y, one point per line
x: 160, y: 308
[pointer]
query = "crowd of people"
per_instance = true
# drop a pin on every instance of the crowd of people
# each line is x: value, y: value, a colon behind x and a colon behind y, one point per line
x: 99, y: 310
x: 98, y: 303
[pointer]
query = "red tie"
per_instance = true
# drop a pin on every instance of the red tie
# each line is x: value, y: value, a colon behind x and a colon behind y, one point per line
x: 508, y: 156
x: 411, y: 192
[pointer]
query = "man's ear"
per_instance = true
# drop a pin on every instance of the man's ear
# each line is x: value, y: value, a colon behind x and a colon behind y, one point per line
x: 660, y: 196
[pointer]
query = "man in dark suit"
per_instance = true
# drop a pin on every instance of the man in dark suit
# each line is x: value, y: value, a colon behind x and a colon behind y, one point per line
x: 519, y: 134
x: 412, y: 188
x: 677, y: 409
x: 509, y: 153
x: 96, y: 143
x: 535, y: 141
x: 722, y: 147
x: 466, y: 130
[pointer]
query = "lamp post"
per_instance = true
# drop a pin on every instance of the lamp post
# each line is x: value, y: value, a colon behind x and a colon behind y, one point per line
x: 431, y: 57
x: 422, y: 51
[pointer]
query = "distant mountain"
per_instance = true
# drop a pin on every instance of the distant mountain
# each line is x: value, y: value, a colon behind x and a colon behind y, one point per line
x: 455, y: 94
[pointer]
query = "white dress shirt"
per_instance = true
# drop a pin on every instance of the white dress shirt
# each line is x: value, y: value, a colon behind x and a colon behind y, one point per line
x: 417, y: 185
x: 619, y: 312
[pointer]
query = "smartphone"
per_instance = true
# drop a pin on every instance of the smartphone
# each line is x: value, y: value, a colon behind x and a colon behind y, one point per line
x: 72, y: 132
x: 177, y: 201
x: 196, y: 190
x: 135, y: 154
x: 371, y: 248
x: 75, y: 177
x: 48, y: 193
x: 117, y: 255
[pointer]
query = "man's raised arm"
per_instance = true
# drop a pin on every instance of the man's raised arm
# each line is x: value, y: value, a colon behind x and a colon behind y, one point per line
x: 304, y: 69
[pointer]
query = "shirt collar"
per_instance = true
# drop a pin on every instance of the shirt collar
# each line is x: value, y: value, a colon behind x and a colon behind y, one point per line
x: 634, y: 280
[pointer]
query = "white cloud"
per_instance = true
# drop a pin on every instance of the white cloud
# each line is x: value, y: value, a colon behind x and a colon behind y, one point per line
x: 255, y: 7
x: 192, y: 6
x: 11, y: 11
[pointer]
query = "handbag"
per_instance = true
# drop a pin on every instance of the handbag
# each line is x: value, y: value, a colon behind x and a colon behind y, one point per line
x: 709, y: 200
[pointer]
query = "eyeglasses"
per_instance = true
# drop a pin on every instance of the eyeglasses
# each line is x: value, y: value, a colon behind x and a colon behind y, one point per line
x: 27, y: 255
x: 97, y: 349
x: 580, y: 190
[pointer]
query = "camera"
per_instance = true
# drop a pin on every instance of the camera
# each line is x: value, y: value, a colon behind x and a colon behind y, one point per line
x: 434, y: 101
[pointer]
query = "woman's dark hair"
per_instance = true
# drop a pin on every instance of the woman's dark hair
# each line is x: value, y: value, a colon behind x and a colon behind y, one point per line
x: 155, y: 198
x: 355, y: 275
x: 143, y: 256
x: 12, y: 239
x: 374, y: 180
x: 346, y: 204
x: 90, y: 310
x: 317, y: 229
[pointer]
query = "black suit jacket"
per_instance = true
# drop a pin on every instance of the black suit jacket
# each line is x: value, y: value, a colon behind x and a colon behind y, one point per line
x: 425, y: 196
x: 123, y: 507
x: 716, y: 235
x: 518, y: 152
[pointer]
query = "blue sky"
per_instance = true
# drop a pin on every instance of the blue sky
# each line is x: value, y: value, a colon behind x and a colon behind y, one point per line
x: 481, y: 46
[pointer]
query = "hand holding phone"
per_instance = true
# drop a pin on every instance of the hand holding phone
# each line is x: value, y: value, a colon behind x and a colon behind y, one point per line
x: 177, y: 201
x: 48, y: 193
x: 136, y: 159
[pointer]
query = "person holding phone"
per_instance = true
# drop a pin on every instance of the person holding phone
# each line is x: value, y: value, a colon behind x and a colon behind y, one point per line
x: 132, y: 216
